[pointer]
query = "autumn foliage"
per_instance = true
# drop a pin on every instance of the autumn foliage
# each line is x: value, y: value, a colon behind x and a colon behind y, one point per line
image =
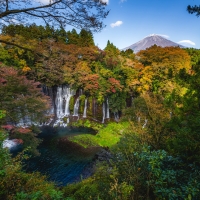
x: 21, y: 98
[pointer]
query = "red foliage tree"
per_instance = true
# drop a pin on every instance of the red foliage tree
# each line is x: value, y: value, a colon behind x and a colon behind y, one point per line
x: 21, y: 98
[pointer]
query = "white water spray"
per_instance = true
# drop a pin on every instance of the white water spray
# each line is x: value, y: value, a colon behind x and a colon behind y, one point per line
x: 85, y: 109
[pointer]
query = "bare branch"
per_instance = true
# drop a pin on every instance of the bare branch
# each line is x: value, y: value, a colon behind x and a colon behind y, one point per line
x: 6, y: 5
x: 78, y: 13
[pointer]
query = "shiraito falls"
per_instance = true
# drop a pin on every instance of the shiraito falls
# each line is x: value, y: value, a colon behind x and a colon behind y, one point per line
x: 68, y: 104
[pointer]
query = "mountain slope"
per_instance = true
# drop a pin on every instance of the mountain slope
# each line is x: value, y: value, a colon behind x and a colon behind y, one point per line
x: 150, y: 41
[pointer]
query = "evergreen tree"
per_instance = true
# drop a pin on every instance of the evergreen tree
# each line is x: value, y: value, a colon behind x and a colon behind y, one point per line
x: 86, y: 38
x: 72, y: 37
x: 111, y: 48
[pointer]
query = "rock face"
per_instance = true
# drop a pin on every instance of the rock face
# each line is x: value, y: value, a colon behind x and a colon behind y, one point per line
x: 150, y: 41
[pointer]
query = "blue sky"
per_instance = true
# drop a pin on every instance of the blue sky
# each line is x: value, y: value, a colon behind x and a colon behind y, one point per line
x: 131, y: 20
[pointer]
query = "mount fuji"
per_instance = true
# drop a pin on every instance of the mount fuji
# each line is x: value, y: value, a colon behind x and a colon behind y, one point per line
x: 150, y: 41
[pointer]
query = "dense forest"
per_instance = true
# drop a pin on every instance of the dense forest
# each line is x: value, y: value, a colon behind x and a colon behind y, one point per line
x: 154, y: 145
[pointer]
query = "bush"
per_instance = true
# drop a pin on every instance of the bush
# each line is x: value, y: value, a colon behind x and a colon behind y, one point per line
x: 153, y: 173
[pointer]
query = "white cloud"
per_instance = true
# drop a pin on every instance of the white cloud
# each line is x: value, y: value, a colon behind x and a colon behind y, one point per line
x: 117, y: 23
x: 121, y: 1
x: 187, y: 42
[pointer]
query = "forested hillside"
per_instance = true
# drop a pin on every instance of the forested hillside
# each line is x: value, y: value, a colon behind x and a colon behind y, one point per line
x: 154, y: 145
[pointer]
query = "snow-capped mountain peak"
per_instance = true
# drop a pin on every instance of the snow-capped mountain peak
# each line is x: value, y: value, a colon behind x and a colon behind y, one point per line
x: 151, y: 40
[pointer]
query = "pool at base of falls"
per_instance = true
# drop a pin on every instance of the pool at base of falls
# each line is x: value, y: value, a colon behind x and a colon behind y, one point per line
x: 61, y: 160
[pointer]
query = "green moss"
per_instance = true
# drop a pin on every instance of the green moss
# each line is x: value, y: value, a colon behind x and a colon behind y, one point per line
x: 87, y: 124
x: 85, y: 140
x: 106, y: 137
x: 111, y: 134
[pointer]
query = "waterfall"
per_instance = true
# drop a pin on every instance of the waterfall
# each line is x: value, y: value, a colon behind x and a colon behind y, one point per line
x: 170, y: 114
x: 107, y: 109
x: 21, y: 122
x: 85, y: 109
x: 51, y: 112
x: 80, y: 92
x: 103, y: 109
x: 24, y: 121
x: 76, y: 107
x: 62, y: 100
x: 132, y: 101
x: 59, y: 113
x: 59, y: 103
x: 145, y: 123
x: 116, y: 115
x: 68, y: 93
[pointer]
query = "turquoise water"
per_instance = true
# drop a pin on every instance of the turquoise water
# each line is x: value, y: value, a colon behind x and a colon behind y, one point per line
x: 61, y: 160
